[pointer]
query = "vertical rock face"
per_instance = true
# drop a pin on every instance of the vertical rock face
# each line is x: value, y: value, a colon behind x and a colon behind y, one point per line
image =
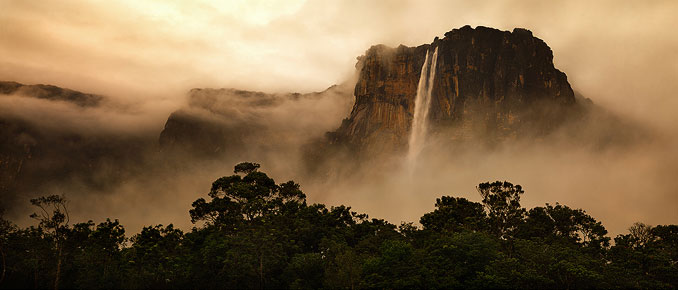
x: 488, y: 82
x: 232, y: 123
x: 197, y: 129
x: 384, y: 98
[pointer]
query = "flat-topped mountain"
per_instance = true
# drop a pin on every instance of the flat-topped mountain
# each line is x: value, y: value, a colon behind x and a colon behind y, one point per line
x: 233, y: 123
x: 484, y: 82
x: 478, y: 84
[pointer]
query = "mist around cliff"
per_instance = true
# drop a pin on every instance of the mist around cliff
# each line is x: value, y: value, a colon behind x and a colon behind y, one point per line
x: 613, y: 166
x: 619, y: 54
x: 605, y: 163
x: 107, y: 161
x: 56, y: 146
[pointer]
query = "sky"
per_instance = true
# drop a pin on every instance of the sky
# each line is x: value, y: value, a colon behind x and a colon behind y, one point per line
x: 621, y: 54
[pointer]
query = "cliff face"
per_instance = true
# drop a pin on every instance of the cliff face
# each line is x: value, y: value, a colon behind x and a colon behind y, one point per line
x: 384, y: 98
x: 497, y: 84
x: 37, y: 152
x: 232, y: 123
x: 198, y: 130
x: 20, y: 144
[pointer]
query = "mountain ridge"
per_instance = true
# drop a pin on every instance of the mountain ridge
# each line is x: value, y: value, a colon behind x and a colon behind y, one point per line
x: 50, y: 92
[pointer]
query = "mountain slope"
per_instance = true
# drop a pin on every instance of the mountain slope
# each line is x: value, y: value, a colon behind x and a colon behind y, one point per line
x: 54, y: 139
x: 490, y: 83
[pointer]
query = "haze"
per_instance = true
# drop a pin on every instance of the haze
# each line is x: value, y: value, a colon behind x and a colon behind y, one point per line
x: 621, y: 54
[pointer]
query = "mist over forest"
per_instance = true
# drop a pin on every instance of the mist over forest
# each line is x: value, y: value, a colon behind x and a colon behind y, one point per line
x: 133, y: 112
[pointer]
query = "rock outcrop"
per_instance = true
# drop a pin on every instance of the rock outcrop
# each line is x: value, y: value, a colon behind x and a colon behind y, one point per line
x: 211, y: 124
x: 19, y: 140
x: 231, y: 123
x: 490, y: 83
x: 37, y: 152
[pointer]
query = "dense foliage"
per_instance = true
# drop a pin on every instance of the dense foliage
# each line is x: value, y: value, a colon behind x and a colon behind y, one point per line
x: 254, y: 233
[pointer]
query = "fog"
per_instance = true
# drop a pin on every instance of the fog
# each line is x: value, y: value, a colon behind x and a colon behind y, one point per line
x: 617, y: 185
x: 107, y: 161
x: 146, y: 55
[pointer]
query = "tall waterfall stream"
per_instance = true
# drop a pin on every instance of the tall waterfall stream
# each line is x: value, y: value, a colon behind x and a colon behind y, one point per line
x: 422, y: 104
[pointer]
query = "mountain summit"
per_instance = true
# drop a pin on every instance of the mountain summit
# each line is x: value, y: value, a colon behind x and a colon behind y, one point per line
x: 485, y: 82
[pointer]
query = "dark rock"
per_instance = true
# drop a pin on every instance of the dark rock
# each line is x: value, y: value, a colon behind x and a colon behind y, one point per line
x: 488, y: 82
x: 227, y: 123
x: 50, y: 92
x: 32, y: 157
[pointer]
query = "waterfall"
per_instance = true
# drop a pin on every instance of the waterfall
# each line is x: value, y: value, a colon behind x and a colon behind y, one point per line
x: 422, y: 103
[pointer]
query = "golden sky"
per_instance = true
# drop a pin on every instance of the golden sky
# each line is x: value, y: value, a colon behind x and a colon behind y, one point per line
x: 607, y: 48
x: 297, y: 45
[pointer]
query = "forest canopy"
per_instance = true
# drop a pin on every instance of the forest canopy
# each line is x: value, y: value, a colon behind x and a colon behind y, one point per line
x: 251, y: 232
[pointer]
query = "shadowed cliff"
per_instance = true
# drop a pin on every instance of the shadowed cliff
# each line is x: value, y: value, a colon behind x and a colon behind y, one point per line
x: 52, y: 138
x: 238, y: 124
x: 497, y: 84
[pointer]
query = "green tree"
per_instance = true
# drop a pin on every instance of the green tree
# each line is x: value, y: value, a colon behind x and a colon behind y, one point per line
x: 343, y: 266
x: 96, y: 255
x: 453, y: 214
x: 246, y: 198
x: 641, y: 234
x: 398, y: 266
x: 154, y: 258
x: 54, y: 218
x: 260, y: 234
x: 455, y: 259
x: 30, y: 254
x: 502, y: 204
x: 305, y: 271
x: 252, y: 207
x: 6, y: 228
x: 562, y: 222
x: 665, y: 244
x: 646, y: 257
x: 536, y: 264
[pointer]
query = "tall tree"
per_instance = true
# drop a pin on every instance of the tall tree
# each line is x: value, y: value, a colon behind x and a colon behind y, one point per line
x: 153, y: 255
x: 247, y: 197
x: 502, y: 204
x: 54, y: 218
x: 563, y: 222
x: 5, y: 228
x: 454, y: 214
x: 247, y: 204
x: 641, y: 234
